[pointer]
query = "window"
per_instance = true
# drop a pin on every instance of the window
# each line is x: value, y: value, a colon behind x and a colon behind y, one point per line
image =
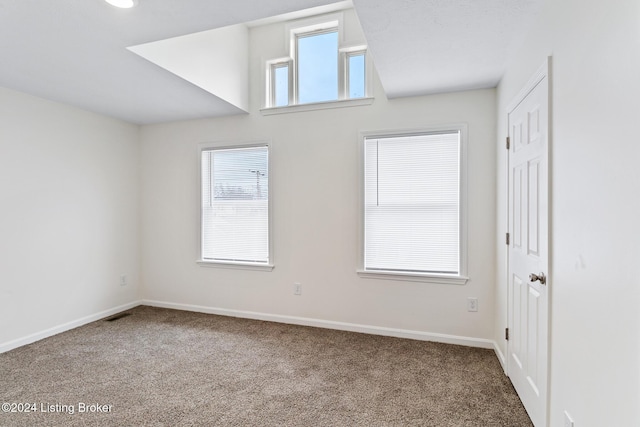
x: 356, y: 75
x: 280, y: 84
x: 235, y: 205
x: 319, y: 69
x: 412, y: 193
x: 317, y: 66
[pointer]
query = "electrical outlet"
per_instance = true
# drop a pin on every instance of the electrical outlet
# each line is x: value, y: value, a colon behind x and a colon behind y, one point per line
x: 568, y: 421
x: 472, y: 304
x: 123, y: 280
x: 297, y: 288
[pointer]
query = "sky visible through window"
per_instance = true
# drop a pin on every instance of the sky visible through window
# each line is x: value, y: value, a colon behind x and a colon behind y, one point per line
x: 318, y: 68
x: 356, y: 76
x: 317, y: 72
x: 281, y: 86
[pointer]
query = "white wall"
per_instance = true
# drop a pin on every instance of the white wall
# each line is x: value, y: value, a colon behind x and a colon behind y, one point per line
x: 215, y: 60
x: 594, y: 286
x: 68, y: 215
x: 314, y: 178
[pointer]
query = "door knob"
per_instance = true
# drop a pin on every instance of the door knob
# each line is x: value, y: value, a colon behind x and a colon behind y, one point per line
x: 541, y: 277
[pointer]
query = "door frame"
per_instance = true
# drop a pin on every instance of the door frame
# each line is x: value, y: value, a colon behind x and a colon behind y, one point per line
x: 544, y: 71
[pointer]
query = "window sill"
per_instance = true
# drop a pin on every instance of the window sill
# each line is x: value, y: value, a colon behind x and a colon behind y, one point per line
x: 268, y: 111
x: 235, y: 265
x: 414, y: 277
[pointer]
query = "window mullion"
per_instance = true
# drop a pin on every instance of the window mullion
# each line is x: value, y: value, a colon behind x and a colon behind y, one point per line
x: 273, y: 88
x: 292, y: 96
x: 295, y: 75
x: 343, y: 73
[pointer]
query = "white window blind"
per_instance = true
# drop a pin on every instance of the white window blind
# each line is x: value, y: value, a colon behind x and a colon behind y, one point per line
x: 412, y: 203
x: 235, y: 205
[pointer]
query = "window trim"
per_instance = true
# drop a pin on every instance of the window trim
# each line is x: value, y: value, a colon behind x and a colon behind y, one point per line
x: 448, y: 279
x: 269, y: 111
x: 230, y: 145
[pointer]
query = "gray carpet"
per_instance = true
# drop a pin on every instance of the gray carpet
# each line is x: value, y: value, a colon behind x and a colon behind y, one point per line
x: 159, y: 367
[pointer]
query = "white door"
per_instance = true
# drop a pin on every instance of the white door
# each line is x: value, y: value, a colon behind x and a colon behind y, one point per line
x: 528, y: 246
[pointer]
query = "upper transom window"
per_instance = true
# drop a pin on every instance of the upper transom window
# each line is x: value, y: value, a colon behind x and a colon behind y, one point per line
x: 320, y: 67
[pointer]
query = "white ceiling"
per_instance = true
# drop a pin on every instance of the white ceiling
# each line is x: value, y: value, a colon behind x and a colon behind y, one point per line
x: 74, y: 51
x: 432, y: 46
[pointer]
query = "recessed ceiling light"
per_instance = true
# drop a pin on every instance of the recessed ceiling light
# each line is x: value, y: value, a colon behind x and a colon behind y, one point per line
x: 124, y: 4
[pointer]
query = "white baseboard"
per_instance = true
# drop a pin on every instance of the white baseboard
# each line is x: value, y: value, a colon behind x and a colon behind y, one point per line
x: 10, y: 345
x: 304, y: 321
x: 329, y: 324
x: 501, y: 357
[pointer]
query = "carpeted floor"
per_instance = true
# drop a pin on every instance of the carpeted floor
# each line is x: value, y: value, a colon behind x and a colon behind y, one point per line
x: 159, y: 367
